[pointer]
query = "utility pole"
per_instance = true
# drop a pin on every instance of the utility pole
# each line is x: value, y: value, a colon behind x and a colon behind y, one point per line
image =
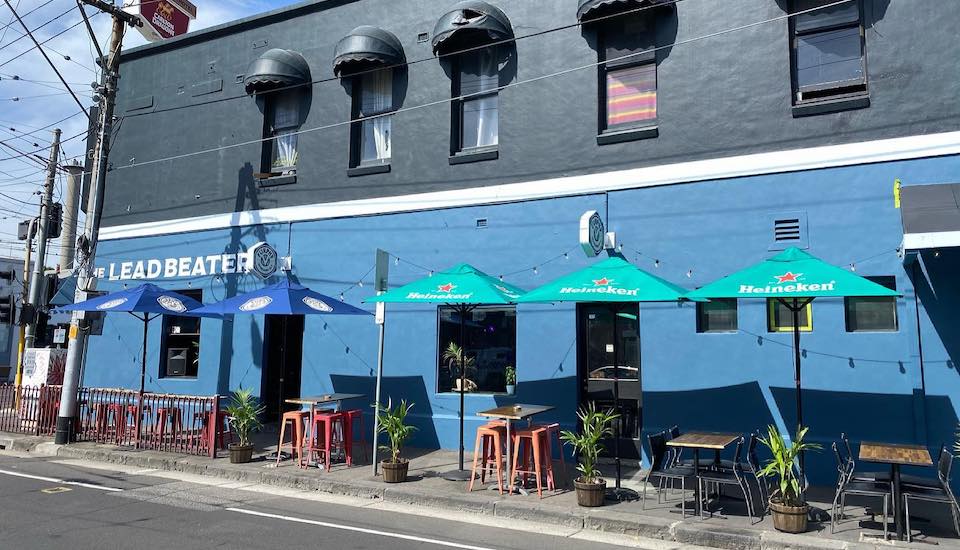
x: 39, y: 262
x: 87, y: 244
x: 24, y: 297
x: 71, y: 209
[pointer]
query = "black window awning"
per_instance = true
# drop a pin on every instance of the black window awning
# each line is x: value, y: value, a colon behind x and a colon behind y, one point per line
x: 276, y: 68
x: 364, y: 47
x: 591, y: 9
x: 470, y: 23
x: 930, y: 215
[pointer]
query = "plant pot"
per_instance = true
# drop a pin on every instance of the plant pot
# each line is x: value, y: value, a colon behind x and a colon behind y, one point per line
x: 590, y: 494
x: 395, y: 472
x: 511, y: 389
x: 240, y: 454
x: 789, y: 519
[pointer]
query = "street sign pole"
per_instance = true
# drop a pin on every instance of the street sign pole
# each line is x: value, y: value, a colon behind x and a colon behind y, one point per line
x: 380, y: 285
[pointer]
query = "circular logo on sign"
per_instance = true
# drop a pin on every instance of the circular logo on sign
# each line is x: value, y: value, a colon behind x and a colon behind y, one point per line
x: 253, y: 304
x: 112, y: 303
x: 596, y: 233
x: 316, y: 304
x: 171, y: 303
x: 264, y: 260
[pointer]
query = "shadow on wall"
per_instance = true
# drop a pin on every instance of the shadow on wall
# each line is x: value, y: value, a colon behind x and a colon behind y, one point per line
x: 934, y: 280
x: 662, y: 19
x: 411, y: 388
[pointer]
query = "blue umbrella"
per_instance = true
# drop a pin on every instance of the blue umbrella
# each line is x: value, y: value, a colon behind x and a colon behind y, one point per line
x: 283, y: 298
x: 146, y: 299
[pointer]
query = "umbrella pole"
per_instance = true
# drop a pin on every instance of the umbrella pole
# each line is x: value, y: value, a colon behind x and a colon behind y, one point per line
x: 461, y: 474
x: 618, y: 493
x: 143, y: 375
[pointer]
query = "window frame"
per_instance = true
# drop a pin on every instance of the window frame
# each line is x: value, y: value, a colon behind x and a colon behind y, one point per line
x: 165, y: 337
x: 880, y: 280
x: 852, y: 84
x: 650, y: 56
x: 456, y: 123
x: 356, y: 163
x: 771, y: 316
x: 440, y: 347
x: 271, y: 99
x: 701, y: 329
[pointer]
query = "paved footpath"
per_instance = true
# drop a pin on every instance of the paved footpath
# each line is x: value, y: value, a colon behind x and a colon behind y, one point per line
x: 48, y: 503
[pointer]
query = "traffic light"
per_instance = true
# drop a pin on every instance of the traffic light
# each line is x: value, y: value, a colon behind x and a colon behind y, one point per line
x: 8, y: 308
x: 55, y: 221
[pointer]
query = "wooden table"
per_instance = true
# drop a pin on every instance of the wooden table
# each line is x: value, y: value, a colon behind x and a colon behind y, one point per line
x: 315, y: 400
x: 715, y: 441
x: 509, y: 413
x: 895, y: 455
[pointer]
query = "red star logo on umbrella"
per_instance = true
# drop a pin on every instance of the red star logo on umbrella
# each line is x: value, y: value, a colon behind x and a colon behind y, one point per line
x: 446, y: 288
x: 788, y: 277
x: 603, y: 281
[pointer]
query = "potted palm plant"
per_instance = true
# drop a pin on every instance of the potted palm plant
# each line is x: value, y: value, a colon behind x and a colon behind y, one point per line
x: 511, y: 377
x: 391, y: 420
x: 244, y: 414
x: 595, y: 426
x: 787, y: 502
x: 457, y: 361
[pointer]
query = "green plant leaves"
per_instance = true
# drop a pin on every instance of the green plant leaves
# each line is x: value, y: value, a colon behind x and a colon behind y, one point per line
x: 780, y: 465
x: 594, y: 426
x: 391, y: 420
x: 244, y: 412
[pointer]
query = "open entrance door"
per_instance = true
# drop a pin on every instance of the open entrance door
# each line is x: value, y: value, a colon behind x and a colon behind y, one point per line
x: 282, y: 354
x: 608, y: 354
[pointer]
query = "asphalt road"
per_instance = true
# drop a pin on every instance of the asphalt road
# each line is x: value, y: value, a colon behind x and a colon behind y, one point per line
x: 45, y: 504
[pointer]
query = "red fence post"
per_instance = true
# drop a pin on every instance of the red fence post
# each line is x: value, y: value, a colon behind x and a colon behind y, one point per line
x: 214, y: 427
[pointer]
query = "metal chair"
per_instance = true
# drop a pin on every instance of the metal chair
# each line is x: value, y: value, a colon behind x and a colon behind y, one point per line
x: 848, y: 485
x: 942, y: 494
x: 751, y: 466
x: 861, y: 476
x: 732, y: 476
x: 662, y: 470
x: 676, y: 453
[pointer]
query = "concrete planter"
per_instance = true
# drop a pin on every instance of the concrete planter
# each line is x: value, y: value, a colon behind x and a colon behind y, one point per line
x: 240, y: 454
x: 590, y: 494
x: 395, y: 472
x: 511, y: 389
x: 789, y: 519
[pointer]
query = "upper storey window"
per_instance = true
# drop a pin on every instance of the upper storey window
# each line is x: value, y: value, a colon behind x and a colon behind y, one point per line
x: 628, y: 74
x: 281, y: 81
x: 828, y: 52
x: 372, y: 59
x: 473, y: 40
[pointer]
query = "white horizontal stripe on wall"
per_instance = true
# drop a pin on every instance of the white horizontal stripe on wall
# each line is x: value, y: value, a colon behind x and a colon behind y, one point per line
x: 829, y: 156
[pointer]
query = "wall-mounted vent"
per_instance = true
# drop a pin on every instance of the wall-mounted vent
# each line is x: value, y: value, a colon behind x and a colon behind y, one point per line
x: 481, y: 223
x: 423, y: 37
x: 789, y: 229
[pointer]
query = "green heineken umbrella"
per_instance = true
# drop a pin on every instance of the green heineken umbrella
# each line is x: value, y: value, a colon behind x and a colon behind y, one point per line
x: 794, y: 278
x: 465, y: 287
x: 614, y: 281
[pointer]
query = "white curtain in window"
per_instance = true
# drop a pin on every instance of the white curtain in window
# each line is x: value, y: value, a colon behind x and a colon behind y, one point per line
x: 480, y: 122
x: 285, y: 149
x: 376, y: 91
x: 286, y: 122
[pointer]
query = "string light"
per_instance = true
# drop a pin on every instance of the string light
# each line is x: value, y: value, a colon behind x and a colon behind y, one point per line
x: 535, y: 272
x: 853, y: 267
x: 396, y: 260
x: 566, y: 256
x: 689, y: 273
x: 360, y: 284
x: 431, y: 273
x: 341, y: 296
x: 656, y: 263
x: 501, y: 278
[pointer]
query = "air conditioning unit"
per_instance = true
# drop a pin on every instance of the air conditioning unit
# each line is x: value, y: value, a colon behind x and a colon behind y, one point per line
x: 176, y: 361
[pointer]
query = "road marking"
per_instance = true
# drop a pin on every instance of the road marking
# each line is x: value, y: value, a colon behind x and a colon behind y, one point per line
x: 55, y: 490
x: 61, y: 481
x: 358, y: 529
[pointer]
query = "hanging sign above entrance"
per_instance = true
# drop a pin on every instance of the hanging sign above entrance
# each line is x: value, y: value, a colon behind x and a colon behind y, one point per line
x: 591, y: 233
x: 261, y: 259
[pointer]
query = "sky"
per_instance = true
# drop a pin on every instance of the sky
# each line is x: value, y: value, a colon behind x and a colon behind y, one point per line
x: 33, y: 101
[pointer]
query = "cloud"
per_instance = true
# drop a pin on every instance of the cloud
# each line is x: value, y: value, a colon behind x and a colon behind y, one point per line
x: 37, y: 108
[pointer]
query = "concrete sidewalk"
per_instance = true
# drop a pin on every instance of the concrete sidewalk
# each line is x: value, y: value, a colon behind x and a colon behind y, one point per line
x: 733, y: 530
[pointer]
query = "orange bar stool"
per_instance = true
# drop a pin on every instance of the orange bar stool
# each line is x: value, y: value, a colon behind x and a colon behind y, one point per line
x: 553, y: 434
x: 326, y: 436
x: 297, y: 418
x: 488, y: 454
x: 353, y: 423
x: 530, y: 445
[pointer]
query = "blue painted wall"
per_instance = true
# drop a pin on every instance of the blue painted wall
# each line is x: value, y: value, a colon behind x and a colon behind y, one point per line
x: 867, y: 384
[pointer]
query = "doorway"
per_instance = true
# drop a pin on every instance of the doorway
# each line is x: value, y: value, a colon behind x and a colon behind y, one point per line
x: 608, y: 354
x: 282, y: 354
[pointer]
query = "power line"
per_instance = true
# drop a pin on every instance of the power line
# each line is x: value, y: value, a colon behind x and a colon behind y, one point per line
x: 22, y: 36
x: 5, y: 27
x: 65, y: 56
x: 52, y: 66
